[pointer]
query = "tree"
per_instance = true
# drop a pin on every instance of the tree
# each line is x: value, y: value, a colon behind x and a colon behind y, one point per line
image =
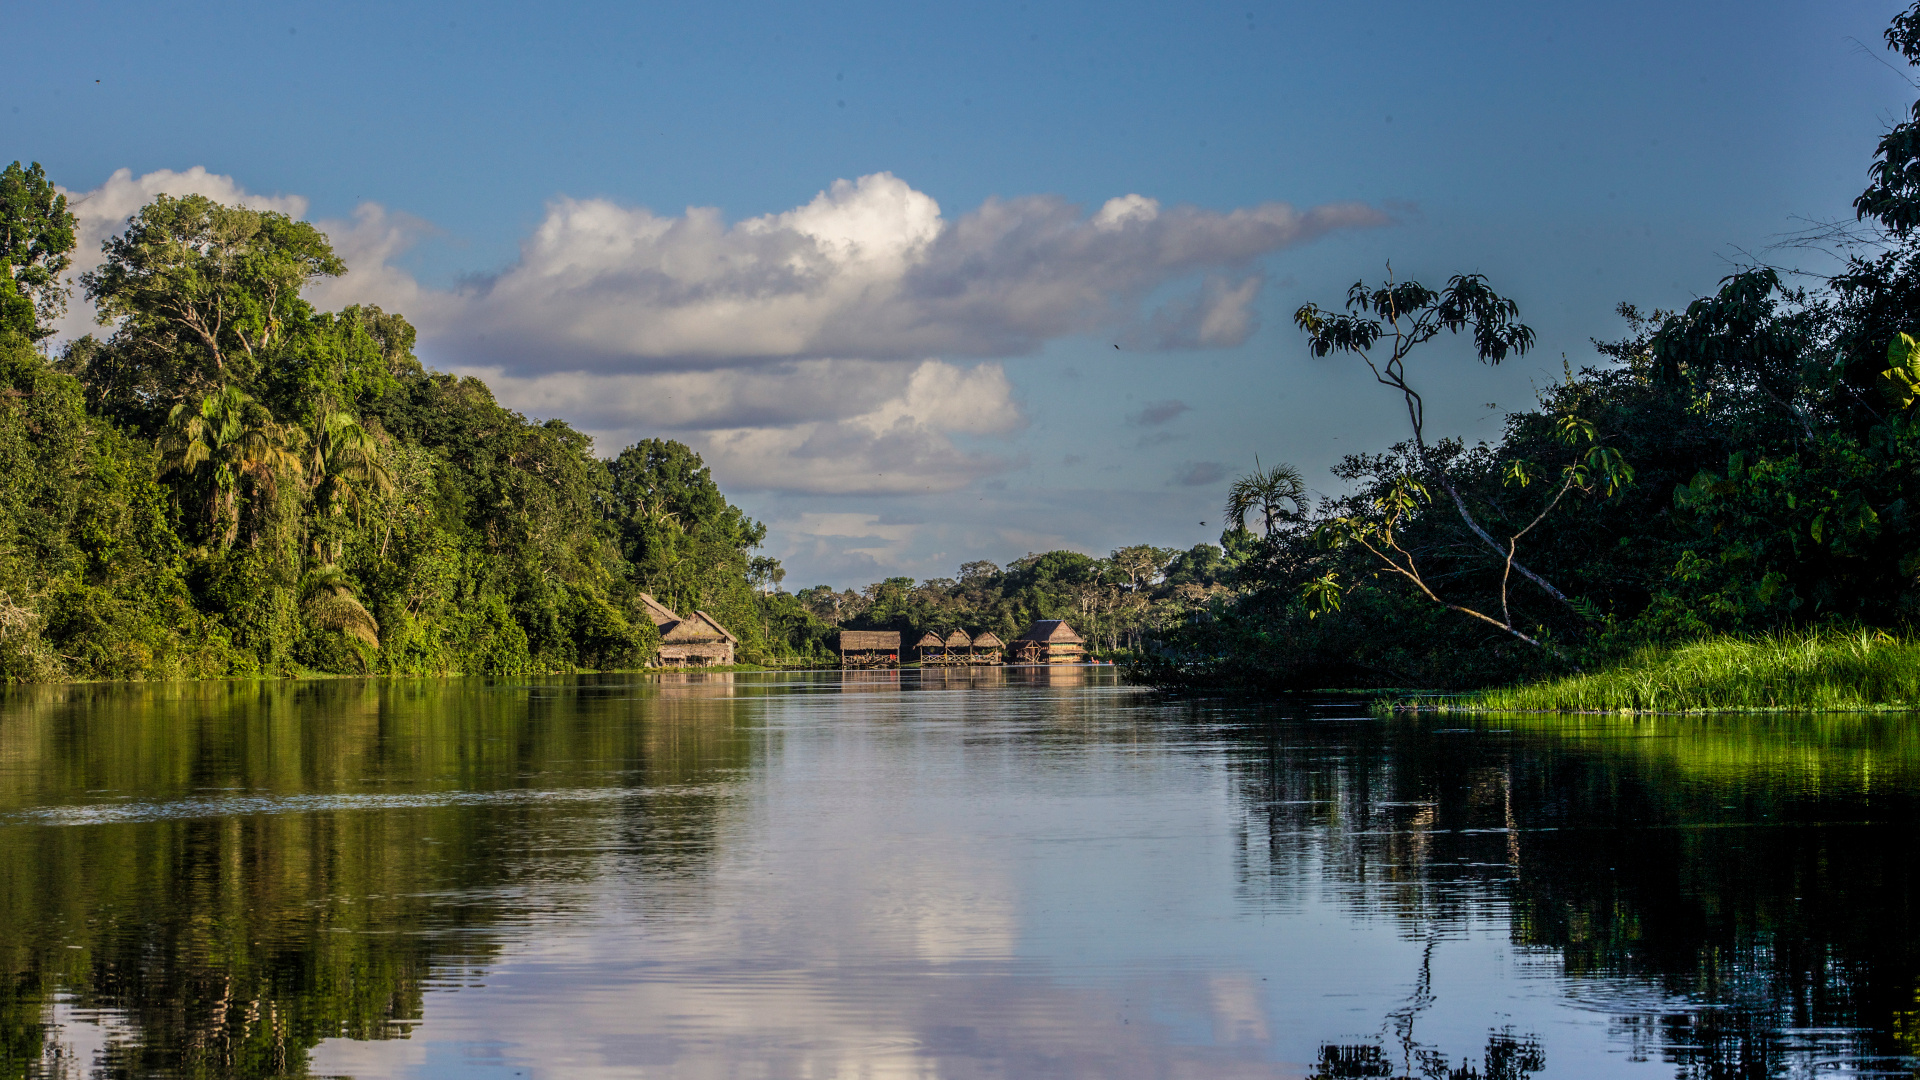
x: 1406, y: 315
x: 203, y: 295
x: 223, y: 439
x: 686, y: 544
x: 765, y: 573
x: 1201, y: 565
x: 1142, y: 564
x: 978, y: 571
x: 36, y: 237
x: 327, y: 600
x: 1893, y: 196
x: 1279, y: 494
x: 343, y: 462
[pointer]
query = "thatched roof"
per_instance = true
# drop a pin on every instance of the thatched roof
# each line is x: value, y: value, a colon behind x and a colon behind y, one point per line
x: 958, y: 640
x: 928, y: 640
x: 699, y: 628
x: 1051, y: 631
x: 880, y: 640
x: 658, y: 612
x: 987, y: 640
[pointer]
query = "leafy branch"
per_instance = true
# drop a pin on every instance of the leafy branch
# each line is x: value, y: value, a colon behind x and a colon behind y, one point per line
x: 1401, y: 316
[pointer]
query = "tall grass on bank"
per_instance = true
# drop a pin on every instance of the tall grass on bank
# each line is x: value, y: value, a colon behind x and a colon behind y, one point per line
x: 1807, y: 670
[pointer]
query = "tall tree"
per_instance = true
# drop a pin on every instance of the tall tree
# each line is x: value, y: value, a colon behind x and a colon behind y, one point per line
x: 36, y: 237
x: 687, y: 544
x: 1399, y: 317
x: 202, y: 295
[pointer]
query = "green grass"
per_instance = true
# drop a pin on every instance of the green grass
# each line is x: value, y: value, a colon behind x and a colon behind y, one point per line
x: 1817, y: 670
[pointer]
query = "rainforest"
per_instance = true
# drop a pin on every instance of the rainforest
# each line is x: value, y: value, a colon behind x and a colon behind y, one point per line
x: 226, y: 481
x: 233, y: 483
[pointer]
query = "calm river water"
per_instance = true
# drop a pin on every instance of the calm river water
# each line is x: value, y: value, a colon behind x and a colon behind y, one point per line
x: 1006, y: 873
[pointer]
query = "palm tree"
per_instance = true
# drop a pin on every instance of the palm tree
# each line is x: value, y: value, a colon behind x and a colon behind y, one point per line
x: 343, y: 464
x: 229, y: 437
x: 343, y: 457
x: 328, y: 602
x: 1268, y: 491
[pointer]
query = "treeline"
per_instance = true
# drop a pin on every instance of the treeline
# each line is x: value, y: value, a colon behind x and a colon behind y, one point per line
x: 1749, y: 464
x: 230, y: 482
x: 1116, y: 603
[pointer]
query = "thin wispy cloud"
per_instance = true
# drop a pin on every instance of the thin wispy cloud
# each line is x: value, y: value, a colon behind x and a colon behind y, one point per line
x: 1156, y: 413
x: 1199, y: 473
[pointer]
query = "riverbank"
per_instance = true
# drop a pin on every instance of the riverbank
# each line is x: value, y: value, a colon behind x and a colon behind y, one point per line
x: 1817, y: 670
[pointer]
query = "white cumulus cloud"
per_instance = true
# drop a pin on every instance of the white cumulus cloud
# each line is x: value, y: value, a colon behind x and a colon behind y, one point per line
x: 846, y: 346
x: 869, y: 268
x: 819, y: 426
x: 904, y: 445
x: 102, y: 212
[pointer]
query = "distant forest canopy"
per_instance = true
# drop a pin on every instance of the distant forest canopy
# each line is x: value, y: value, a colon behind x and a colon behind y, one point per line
x: 1119, y: 603
x: 1747, y: 465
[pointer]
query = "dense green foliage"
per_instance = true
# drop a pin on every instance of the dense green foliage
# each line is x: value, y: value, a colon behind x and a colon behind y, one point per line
x: 1746, y: 466
x: 36, y: 233
x: 236, y: 483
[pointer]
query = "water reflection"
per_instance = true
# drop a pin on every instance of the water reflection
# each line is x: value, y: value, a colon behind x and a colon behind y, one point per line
x: 234, y: 872
x: 1736, y: 895
x: 1005, y: 871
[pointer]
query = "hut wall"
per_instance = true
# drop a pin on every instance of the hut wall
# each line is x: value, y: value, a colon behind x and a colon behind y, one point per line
x: 696, y: 653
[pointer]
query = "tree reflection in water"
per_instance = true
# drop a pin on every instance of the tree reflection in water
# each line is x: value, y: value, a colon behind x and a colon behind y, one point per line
x: 1507, y: 1058
x: 227, y: 875
x: 1758, y: 871
x: 219, y: 943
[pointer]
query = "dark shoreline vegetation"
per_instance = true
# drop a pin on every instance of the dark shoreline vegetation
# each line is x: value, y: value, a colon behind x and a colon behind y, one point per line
x: 233, y: 484
x: 1726, y: 514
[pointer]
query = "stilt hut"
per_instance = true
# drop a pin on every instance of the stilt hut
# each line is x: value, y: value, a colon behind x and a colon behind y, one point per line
x: 930, y: 649
x: 987, y: 649
x: 959, y: 647
x: 695, y: 641
x: 1049, y: 641
x: 869, y: 648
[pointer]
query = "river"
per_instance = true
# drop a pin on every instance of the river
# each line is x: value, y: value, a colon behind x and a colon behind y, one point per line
x: 997, y: 873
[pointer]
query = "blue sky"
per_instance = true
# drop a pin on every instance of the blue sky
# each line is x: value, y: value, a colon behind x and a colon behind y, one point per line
x: 896, y: 388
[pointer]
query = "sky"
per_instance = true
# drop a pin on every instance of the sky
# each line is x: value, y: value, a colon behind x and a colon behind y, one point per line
x: 931, y: 284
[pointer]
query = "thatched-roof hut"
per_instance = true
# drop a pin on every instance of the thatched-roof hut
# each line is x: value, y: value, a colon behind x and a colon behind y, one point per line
x: 987, y: 648
x: 695, y: 641
x: 1049, y: 641
x: 951, y: 649
x: 869, y: 648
